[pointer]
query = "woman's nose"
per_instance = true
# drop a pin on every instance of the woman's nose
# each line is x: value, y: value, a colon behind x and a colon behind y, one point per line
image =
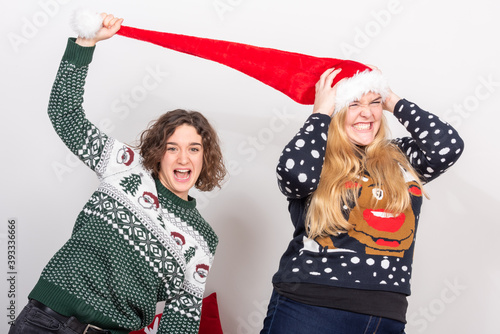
x: 365, y: 111
x: 182, y: 157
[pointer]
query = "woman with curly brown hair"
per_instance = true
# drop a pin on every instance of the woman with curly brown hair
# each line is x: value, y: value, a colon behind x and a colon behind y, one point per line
x: 161, y: 138
x: 139, y: 238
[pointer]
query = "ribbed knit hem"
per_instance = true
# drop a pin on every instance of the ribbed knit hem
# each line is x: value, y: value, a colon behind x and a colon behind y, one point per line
x: 77, y: 54
x: 68, y: 305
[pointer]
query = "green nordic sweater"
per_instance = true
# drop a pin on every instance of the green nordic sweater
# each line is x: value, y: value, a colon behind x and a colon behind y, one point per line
x: 134, y: 243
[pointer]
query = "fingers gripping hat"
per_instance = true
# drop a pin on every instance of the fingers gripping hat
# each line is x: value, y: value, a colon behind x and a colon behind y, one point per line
x: 293, y: 74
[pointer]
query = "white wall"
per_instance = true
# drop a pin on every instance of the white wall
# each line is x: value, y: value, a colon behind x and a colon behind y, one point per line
x: 443, y: 55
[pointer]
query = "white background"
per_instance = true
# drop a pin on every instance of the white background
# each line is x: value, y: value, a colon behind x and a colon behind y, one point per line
x: 443, y: 55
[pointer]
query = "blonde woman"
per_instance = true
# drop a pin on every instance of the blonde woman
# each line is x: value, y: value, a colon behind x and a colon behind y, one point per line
x: 354, y: 199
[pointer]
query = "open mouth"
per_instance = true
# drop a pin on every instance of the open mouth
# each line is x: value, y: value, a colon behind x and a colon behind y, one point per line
x: 362, y: 126
x: 391, y: 242
x: 182, y: 174
x: 385, y: 221
x: 387, y: 243
x: 382, y: 220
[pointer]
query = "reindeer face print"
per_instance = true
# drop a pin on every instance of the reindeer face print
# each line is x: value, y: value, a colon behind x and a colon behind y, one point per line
x: 382, y: 232
x: 377, y: 249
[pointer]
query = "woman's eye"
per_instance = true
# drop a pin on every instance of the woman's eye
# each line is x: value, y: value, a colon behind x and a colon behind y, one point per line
x: 378, y: 193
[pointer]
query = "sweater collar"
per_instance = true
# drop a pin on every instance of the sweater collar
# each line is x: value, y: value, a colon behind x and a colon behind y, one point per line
x: 165, y: 192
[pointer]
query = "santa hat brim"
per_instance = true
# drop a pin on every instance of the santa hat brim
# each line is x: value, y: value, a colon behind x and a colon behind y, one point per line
x: 353, y: 88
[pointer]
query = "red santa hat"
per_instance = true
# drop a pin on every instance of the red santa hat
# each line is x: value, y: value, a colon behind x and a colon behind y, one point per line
x: 293, y: 74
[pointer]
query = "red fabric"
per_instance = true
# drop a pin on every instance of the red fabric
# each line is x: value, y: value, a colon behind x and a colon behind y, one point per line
x: 210, y: 320
x: 209, y: 323
x: 293, y: 74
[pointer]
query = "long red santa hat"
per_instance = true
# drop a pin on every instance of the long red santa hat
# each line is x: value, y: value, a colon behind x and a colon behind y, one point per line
x: 293, y: 74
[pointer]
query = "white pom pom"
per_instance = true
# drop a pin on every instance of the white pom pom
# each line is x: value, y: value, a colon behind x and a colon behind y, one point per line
x: 86, y: 23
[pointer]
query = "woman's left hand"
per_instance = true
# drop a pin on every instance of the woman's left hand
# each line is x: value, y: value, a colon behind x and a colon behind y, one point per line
x: 110, y: 26
x: 391, y: 99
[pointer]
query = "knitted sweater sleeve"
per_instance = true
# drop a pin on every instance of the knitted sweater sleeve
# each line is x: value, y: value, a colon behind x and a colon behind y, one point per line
x: 301, y: 161
x: 434, y: 145
x: 65, y: 106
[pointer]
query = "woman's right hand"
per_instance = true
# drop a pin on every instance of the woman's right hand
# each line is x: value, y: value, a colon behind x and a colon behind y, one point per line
x: 324, y: 100
x: 110, y: 25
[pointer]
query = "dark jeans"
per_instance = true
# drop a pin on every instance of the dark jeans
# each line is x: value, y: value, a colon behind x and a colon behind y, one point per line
x: 34, y: 320
x: 286, y: 316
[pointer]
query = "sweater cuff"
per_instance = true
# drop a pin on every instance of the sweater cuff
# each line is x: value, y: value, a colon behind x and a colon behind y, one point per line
x: 77, y: 54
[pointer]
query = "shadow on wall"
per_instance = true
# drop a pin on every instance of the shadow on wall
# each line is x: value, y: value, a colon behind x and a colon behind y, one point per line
x: 456, y: 267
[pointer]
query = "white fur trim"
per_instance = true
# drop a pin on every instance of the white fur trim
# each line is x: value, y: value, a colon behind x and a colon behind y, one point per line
x: 86, y: 23
x: 353, y: 88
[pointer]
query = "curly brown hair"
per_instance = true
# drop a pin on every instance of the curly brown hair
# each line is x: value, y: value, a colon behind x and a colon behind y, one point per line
x: 153, y: 145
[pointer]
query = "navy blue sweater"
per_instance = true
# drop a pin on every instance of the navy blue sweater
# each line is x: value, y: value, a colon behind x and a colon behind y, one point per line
x: 375, y: 256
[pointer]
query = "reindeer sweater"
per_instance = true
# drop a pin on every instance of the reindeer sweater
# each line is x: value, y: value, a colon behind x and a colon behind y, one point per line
x: 134, y: 243
x: 367, y: 269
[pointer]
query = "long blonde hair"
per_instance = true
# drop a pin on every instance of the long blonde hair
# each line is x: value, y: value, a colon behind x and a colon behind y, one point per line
x: 346, y: 162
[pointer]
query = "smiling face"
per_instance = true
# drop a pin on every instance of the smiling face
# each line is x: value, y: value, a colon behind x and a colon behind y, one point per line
x: 383, y: 232
x: 182, y: 162
x: 363, y: 119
